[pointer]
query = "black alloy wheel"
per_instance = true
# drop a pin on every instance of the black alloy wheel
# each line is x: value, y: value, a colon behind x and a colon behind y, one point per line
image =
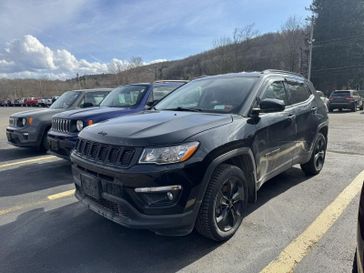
x: 229, y: 204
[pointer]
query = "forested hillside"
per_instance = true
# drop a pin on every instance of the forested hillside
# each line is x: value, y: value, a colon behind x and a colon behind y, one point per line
x: 245, y: 50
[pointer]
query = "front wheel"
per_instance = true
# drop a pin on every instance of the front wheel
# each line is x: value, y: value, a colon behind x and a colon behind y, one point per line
x: 317, y: 160
x: 224, y: 205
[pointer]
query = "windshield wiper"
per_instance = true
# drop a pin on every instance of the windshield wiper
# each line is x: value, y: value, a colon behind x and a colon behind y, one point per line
x: 184, y: 109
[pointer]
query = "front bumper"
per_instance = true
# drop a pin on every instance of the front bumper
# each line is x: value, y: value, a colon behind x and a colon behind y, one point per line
x: 117, y: 200
x: 61, y: 145
x: 23, y: 137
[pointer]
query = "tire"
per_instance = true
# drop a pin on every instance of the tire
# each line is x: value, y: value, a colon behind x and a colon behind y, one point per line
x: 225, y: 202
x: 362, y: 107
x: 331, y: 110
x: 43, y: 147
x: 317, y: 160
x: 353, y: 109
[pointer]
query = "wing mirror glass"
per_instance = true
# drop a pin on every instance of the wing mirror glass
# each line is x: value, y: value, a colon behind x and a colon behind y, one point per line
x: 272, y: 105
x: 269, y: 106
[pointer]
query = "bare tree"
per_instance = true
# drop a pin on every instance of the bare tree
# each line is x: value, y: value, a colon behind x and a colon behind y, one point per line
x: 292, y: 32
x: 135, y: 62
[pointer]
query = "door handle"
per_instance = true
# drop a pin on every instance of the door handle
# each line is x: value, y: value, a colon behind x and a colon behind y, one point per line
x: 291, y: 117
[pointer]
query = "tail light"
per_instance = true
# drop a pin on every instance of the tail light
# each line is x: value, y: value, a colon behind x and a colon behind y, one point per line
x: 350, y: 98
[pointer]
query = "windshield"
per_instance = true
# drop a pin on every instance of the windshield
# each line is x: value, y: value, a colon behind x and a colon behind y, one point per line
x: 125, y: 96
x: 220, y: 95
x: 66, y: 100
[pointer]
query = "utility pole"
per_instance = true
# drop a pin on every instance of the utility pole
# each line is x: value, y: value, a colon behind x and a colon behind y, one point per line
x: 310, y: 42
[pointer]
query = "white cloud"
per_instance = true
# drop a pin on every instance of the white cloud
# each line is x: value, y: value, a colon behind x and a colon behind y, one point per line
x: 29, y: 58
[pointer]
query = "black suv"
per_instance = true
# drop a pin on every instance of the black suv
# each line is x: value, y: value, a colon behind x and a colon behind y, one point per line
x: 345, y: 99
x: 202, y: 153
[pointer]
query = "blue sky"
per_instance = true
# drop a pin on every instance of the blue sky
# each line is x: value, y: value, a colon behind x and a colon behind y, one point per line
x: 100, y: 30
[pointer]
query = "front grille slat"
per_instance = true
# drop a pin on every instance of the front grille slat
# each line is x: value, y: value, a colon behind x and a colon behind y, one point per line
x: 104, y: 153
x: 61, y: 125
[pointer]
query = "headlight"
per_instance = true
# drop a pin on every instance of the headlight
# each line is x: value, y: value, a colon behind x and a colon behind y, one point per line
x: 168, y: 155
x: 79, y: 125
x: 23, y: 121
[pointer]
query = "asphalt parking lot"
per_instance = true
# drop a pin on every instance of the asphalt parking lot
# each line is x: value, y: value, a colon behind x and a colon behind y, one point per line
x: 44, y: 229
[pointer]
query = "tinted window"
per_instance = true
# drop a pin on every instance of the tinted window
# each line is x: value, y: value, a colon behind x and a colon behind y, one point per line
x: 125, y: 96
x: 297, y: 92
x: 276, y: 91
x: 340, y: 94
x: 220, y: 95
x: 66, y: 100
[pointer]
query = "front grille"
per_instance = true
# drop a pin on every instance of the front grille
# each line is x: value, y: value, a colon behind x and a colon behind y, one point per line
x: 61, y: 125
x: 105, y: 153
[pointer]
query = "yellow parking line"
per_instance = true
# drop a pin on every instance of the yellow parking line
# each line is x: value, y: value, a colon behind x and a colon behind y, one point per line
x: 300, y: 247
x: 20, y: 207
x: 52, y: 197
x: 28, y: 161
x: 61, y: 195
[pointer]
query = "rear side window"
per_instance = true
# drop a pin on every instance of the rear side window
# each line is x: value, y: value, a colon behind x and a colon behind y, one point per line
x: 297, y: 92
x: 160, y: 91
x: 94, y: 98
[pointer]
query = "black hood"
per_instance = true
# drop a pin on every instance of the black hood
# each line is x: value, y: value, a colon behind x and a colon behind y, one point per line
x: 153, y: 128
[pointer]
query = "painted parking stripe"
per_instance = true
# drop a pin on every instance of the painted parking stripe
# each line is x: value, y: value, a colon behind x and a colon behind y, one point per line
x: 61, y: 195
x: 301, y: 246
x: 17, y: 163
x: 49, y: 198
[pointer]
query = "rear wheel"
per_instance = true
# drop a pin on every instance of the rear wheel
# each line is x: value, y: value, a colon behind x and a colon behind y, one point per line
x: 224, y: 205
x: 316, y: 163
x: 353, y: 109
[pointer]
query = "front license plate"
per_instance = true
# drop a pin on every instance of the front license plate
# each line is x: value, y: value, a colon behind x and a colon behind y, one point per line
x: 90, y: 186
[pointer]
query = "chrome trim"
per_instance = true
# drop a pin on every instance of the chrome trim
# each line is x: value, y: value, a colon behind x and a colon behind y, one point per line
x: 158, y: 189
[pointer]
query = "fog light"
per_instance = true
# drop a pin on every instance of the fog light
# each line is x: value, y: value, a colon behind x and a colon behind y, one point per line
x: 170, y: 196
x: 159, y: 196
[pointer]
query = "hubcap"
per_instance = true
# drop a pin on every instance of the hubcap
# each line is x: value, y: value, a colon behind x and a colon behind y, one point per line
x: 320, y: 151
x: 229, y: 204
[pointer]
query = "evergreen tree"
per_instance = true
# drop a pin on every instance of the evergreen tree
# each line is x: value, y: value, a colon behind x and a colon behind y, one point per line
x: 338, y: 53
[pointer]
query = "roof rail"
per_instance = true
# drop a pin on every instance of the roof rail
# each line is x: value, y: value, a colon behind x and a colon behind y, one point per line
x: 282, y: 71
x: 162, y: 81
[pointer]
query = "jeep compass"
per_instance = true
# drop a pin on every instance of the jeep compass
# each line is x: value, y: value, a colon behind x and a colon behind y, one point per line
x: 200, y: 155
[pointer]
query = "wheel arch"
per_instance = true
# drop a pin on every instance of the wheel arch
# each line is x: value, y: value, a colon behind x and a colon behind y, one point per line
x: 243, y: 158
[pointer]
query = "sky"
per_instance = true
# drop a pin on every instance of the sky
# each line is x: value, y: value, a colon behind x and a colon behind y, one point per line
x: 57, y: 39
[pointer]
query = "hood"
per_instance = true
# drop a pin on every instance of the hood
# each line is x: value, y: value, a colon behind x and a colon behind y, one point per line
x: 38, y: 113
x: 153, y: 128
x: 95, y: 113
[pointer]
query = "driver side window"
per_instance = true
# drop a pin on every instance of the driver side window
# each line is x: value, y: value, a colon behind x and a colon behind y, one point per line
x: 275, y: 90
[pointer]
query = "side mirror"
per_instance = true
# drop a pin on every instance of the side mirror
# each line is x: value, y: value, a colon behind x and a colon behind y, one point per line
x: 150, y: 104
x: 86, y: 105
x: 272, y: 105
